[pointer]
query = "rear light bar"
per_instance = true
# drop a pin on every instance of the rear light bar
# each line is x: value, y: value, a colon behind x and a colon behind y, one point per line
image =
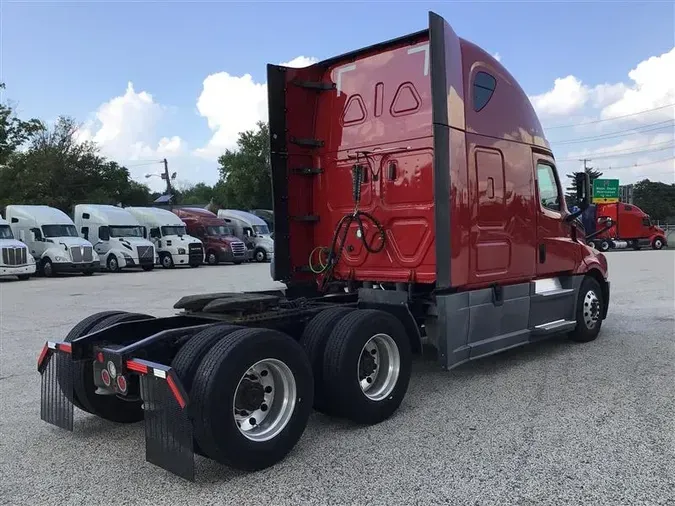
x: 159, y: 371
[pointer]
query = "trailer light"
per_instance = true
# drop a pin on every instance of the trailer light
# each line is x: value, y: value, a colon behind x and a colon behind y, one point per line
x: 99, y: 357
x: 105, y: 377
x: 122, y: 384
x: 112, y: 369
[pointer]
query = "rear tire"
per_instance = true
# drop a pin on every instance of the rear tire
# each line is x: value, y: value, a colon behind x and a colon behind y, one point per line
x: 190, y: 356
x: 109, y: 407
x: 589, y: 312
x: 219, y: 387
x: 348, y: 364
x: 79, y: 330
x: 314, y: 340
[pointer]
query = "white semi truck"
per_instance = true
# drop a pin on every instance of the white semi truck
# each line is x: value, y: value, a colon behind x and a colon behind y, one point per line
x: 169, y: 235
x: 15, y: 260
x: 116, y: 235
x: 52, y: 240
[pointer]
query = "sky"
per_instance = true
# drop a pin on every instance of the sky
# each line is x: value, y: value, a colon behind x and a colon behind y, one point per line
x: 179, y: 80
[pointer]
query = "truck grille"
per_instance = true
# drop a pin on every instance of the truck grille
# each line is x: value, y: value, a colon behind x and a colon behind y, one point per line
x: 196, y: 250
x: 145, y: 255
x: 81, y: 254
x: 14, y: 256
x: 238, y: 248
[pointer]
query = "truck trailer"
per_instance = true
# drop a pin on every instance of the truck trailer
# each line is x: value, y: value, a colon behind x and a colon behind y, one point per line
x: 632, y: 227
x: 15, y: 260
x: 218, y: 237
x: 416, y: 203
x: 169, y: 235
x: 52, y: 239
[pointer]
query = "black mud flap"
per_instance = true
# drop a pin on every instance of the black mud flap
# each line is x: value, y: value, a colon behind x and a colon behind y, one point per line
x: 56, y: 368
x: 168, y: 428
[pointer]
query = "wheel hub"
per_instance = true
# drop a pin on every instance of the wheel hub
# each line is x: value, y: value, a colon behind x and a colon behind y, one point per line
x: 250, y: 395
x: 368, y: 364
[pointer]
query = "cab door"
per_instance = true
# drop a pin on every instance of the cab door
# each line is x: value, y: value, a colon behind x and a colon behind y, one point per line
x: 556, y: 252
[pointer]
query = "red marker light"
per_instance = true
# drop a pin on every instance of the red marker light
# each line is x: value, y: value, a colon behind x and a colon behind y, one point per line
x: 105, y: 376
x: 99, y: 357
x: 122, y: 383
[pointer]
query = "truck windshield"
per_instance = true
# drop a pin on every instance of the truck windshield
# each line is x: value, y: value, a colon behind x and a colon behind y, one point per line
x: 219, y: 230
x: 173, y: 230
x: 6, y: 232
x: 59, y: 231
x: 126, y: 231
x: 261, y: 229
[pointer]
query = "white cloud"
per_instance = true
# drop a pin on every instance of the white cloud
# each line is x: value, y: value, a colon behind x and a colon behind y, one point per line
x: 497, y: 56
x: 233, y: 104
x: 125, y: 129
x: 568, y: 95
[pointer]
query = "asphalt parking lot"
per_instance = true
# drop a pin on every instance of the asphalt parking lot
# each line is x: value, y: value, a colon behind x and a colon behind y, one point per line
x: 552, y: 423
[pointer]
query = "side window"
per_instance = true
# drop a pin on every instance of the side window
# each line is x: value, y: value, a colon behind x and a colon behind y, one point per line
x: 646, y: 222
x: 154, y: 233
x: 85, y: 232
x: 549, y: 192
x: 483, y: 87
x: 248, y: 232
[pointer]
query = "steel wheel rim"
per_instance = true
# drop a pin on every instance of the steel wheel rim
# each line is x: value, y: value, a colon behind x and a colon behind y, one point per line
x: 260, y: 256
x: 591, y: 309
x: 272, y: 414
x: 166, y: 261
x: 378, y: 367
x: 113, y: 264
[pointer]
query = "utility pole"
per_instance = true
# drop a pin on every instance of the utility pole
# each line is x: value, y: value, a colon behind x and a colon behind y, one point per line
x: 586, y: 160
x: 169, y: 191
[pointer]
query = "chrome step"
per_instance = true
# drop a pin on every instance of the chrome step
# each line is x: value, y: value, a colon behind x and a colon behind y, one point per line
x: 554, y: 327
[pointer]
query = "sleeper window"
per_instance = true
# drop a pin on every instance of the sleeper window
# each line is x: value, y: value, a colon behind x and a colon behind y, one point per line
x: 549, y: 193
x: 483, y: 88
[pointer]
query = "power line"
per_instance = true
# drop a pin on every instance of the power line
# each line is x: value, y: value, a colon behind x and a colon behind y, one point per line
x: 620, y: 152
x: 639, y: 164
x: 620, y: 133
x: 143, y: 163
x: 570, y: 125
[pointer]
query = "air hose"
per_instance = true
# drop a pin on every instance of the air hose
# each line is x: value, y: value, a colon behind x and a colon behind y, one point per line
x: 334, y: 252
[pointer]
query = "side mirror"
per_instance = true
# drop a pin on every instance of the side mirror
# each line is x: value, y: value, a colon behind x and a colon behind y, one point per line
x: 104, y: 233
x: 606, y: 222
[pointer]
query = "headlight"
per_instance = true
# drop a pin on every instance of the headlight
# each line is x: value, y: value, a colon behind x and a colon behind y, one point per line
x: 181, y: 251
x: 126, y: 256
x: 59, y: 258
x: 31, y: 260
x: 225, y: 247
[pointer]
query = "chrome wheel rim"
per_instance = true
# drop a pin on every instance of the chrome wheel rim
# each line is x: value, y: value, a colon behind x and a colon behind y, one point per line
x: 378, y: 367
x: 166, y: 261
x: 591, y: 309
x: 658, y: 244
x: 260, y: 256
x: 113, y: 264
x: 264, y: 400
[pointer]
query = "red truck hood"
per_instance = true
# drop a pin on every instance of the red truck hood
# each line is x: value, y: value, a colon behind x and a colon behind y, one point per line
x: 228, y: 239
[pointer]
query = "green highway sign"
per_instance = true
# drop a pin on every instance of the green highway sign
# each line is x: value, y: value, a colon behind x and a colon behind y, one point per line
x: 605, y: 191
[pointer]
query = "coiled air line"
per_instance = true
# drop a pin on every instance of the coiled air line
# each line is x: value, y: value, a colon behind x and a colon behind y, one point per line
x: 357, y: 216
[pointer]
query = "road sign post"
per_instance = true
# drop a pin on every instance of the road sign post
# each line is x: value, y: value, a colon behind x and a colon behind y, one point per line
x: 605, y: 191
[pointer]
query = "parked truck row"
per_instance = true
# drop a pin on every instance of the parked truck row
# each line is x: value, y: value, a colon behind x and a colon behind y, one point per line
x: 416, y: 203
x: 45, y: 240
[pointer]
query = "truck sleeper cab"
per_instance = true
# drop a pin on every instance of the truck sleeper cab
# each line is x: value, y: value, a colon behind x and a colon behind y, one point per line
x: 15, y: 260
x: 252, y: 230
x: 117, y: 237
x: 218, y: 237
x: 416, y: 201
x: 169, y: 235
x: 52, y: 240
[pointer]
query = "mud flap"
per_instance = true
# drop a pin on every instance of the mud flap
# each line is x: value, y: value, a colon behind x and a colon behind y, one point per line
x: 56, y: 368
x: 168, y: 428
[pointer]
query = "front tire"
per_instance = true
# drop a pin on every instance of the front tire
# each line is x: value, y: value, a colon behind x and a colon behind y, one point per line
x: 658, y: 243
x: 211, y: 257
x: 604, y: 245
x: 252, y: 396
x: 260, y: 255
x: 148, y: 268
x: 47, y: 268
x: 112, y: 264
x: 367, y: 366
x: 167, y: 261
x: 589, y: 312
x: 23, y: 277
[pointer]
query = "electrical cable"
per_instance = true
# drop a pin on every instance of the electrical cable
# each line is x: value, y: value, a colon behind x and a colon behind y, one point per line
x: 620, y: 152
x: 619, y: 133
x: 609, y: 119
x: 334, y: 252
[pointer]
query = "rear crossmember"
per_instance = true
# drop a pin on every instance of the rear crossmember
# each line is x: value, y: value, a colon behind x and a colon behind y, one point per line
x: 168, y: 427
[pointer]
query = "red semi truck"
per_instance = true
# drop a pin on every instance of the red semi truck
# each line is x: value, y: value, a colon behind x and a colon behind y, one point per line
x: 219, y: 241
x: 632, y: 227
x: 416, y: 201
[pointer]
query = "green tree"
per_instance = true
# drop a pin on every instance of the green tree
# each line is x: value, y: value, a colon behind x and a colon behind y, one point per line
x: 245, y: 179
x: 58, y: 171
x: 656, y: 199
x: 571, y: 195
x: 14, y: 132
